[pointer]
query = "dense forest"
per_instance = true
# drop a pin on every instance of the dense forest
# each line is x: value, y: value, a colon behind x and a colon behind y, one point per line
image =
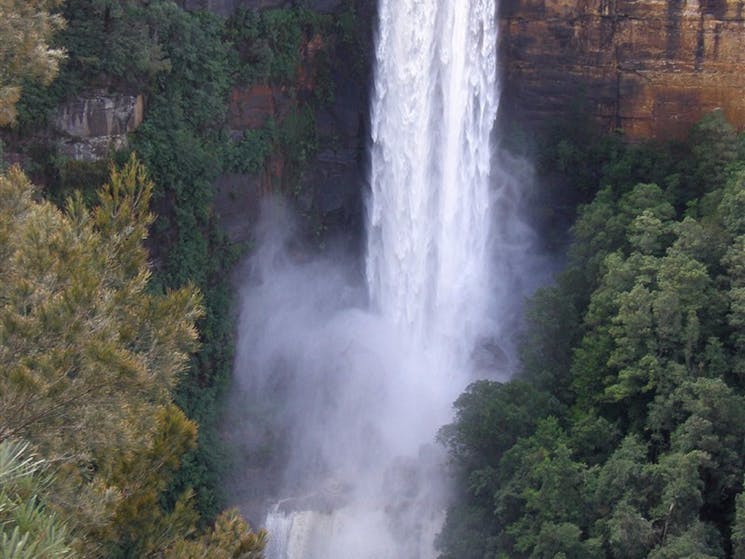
x: 622, y: 435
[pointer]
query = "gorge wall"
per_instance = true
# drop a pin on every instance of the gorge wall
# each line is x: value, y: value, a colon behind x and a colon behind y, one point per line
x: 331, y: 81
x: 649, y: 67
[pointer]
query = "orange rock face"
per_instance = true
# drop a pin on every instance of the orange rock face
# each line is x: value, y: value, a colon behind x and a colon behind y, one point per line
x: 649, y: 67
x: 251, y: 106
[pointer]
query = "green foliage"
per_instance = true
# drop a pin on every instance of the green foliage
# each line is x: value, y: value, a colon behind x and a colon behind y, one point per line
x: 585, y: 161
x: 269, y: 43
x: 38, y: 101
x: 552, y: 330
x: 183, y: 145
x: 640, y: 340
x: 26, y: 30
x: 491, y: 417
x: 74, y: 288
x: 714, y: 147
x: 298, y: 140
x: 91, y: 356
x: 108, y: 43
x: 114, y: 38
x: 230, y: 538
x: 250, y: 153
x: 184, y: 63
x: 28, y: 528
x: 738, y: 529
x: 85, y: 177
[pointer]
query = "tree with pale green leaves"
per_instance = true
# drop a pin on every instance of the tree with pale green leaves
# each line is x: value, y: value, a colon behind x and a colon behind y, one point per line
x: 28, y: 528
x: 26, y: 29
x: 90, y: 355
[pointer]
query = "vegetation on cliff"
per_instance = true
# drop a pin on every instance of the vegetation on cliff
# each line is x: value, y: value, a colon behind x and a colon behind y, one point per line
x: 623, y: 435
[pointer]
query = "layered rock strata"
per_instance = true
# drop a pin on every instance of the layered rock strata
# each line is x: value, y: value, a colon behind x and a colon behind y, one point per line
x: 649, y: 67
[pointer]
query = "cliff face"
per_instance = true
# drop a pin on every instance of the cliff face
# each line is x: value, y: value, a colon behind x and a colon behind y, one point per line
x: 649, y: 67
x: 95, y: 123
x: 331, y: 179
x: 328, y: 182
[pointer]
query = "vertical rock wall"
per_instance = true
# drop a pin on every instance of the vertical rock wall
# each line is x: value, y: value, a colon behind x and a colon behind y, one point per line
x: 94, y: 124
x: 649, y: 67
x: 330, y: 184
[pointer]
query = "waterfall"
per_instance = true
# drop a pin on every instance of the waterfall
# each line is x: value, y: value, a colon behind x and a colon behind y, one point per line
x: 366, y: 374
x: 429, y: 213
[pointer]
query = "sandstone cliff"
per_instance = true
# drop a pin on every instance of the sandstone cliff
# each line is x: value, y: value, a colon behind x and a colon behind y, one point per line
x: 95, y: 123
x: 649, y: 67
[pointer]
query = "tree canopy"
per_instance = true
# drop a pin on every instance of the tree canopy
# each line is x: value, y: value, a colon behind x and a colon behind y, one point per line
x: 639, y: 346
x: 90, y: 356
x: 26, y: 28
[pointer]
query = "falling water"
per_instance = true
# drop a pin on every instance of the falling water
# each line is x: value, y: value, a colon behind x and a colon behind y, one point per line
x: 434, y: 106
x: 364, y: 382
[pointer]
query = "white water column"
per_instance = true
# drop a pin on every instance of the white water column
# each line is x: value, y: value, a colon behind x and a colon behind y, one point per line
x: 402, y: 364
x: 434, y: 105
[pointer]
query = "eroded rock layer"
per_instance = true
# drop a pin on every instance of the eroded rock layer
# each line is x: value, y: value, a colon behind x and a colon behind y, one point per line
x: 649, y: 67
